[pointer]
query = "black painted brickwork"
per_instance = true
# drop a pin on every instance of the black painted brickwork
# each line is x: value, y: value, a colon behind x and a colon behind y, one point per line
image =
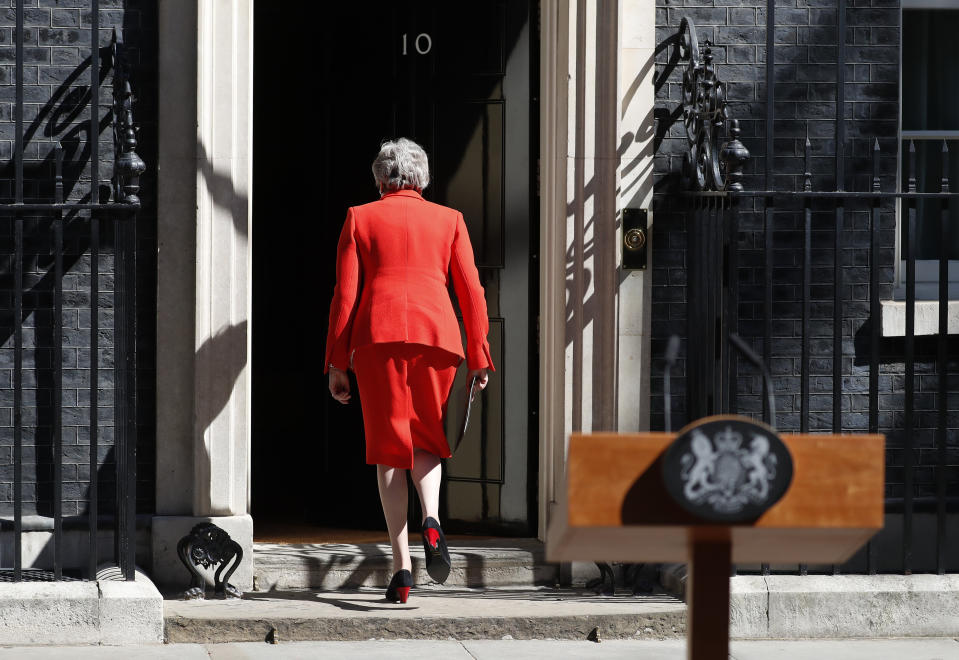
x: 805, y: 70
x: 56, y: 92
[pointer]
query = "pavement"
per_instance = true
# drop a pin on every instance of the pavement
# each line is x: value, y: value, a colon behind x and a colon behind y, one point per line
x: 671, y: 649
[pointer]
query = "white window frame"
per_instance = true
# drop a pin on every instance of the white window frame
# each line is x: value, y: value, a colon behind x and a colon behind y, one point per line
x: 927, y: 270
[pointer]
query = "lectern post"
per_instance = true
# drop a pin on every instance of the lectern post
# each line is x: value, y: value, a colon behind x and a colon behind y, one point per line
x: 707, y: 600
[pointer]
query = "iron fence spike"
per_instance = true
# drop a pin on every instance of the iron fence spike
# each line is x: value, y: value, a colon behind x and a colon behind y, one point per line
x: 875, y: 167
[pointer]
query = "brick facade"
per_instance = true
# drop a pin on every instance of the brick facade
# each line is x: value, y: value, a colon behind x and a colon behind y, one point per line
x: 56, y: 108
x: 805, y: 94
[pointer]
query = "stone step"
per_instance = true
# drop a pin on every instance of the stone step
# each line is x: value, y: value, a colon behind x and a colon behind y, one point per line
x: 476, y: 563
x: 431, y: 613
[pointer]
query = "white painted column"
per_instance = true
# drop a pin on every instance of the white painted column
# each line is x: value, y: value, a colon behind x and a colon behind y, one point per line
x: 176, y: 256
x: 591, y: 217
x: 636, y: 100
x: 204, y: 274
x: 596, y: 82
x: 223, y: 270
x: 579, y: 276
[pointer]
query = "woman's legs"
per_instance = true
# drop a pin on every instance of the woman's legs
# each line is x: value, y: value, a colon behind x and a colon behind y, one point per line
x: 394, y: 496
x: 431, y: 374
x: 427, y: 475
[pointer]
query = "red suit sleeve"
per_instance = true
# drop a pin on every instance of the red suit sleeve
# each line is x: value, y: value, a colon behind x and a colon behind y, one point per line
x: 471, y: 297
x: 346, y: 296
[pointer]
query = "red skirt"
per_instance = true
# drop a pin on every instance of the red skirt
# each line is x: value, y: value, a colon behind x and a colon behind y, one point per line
x: 404, y: 389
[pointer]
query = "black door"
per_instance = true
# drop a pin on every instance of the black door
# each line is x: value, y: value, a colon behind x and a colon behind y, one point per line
x: 456, y: 79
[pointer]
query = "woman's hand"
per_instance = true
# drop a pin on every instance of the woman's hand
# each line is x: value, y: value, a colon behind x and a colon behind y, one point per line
x: 339, y: 385
x: 482, y: 379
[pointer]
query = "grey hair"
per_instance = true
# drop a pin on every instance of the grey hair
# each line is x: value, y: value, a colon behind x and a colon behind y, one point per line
x: 401, y: 164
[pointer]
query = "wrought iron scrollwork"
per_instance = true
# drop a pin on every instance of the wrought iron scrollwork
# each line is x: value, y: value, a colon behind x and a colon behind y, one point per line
x: 127, y: 165
x: 207, y: 545
x: 709, y: 164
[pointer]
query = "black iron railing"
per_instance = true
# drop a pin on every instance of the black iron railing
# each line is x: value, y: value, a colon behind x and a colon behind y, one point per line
x: 120, y: 211
x: 716, y: 204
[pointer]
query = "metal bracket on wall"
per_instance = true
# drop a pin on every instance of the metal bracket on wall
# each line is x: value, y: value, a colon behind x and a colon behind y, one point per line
x: 208, y: 545
x: 710, y: 164
x: 635, y: 240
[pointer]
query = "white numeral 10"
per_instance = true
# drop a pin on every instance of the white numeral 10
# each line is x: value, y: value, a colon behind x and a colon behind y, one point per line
x: 421, y: 39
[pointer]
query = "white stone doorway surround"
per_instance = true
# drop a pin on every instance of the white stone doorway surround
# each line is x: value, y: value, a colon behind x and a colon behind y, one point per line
x: 595, y: 159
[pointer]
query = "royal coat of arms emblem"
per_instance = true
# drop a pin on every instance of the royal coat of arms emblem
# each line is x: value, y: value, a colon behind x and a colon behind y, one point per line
x: 727, y: 468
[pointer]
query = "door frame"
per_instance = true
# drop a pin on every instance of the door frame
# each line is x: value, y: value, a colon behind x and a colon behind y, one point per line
x: 553, y: 90
x: 598, y: 58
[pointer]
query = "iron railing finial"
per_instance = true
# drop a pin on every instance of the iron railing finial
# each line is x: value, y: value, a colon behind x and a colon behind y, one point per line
x: 128, y: 166
x: 708, y: 164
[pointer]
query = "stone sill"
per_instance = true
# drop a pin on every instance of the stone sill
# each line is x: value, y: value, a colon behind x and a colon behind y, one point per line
x: 927, y: 317
x: 835, y: 606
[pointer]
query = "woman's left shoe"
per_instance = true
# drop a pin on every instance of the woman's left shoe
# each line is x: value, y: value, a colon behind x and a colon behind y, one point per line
x: 399, y: 589
x: 437, y: 554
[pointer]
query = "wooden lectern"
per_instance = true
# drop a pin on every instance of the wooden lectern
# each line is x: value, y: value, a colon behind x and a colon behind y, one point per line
x: 620, y: 505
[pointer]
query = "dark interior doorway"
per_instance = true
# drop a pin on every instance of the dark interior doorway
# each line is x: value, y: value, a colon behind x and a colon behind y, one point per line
x: 329, y: 87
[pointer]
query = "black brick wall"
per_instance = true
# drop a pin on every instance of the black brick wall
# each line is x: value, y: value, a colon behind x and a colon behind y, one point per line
x: 56, y: 91
x: 805, y: 71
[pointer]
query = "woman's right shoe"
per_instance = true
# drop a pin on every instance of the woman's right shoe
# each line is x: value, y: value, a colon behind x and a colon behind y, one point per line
x: 399, y: 589
x: 437, y: 554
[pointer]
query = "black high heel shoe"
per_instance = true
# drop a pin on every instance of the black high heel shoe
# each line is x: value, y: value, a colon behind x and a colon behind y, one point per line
x: 437, y: 554
x: 399, y: 589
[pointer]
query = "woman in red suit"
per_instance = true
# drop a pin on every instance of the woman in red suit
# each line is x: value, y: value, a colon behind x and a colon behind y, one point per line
x: 392, y: 322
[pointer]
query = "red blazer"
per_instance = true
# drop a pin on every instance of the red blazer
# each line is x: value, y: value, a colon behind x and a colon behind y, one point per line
x: 393, y: 264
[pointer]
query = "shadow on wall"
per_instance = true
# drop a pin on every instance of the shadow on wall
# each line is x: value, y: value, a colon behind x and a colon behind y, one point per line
x: 223, y: 356
x: 592, y: 277
x: 663, y: 117
x: 55, y: 121
x: 581, y: 311
x: 223, y: 193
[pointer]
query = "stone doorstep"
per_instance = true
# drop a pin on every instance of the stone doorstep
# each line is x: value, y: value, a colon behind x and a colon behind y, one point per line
x: 431, y: 613
x: 836, y: 606
x: 109, y: 611
x: 481, y: 563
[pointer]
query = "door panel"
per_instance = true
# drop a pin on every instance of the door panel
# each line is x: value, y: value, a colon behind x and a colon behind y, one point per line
x: 470, y: 178
x: 480, y: 456
x: 455, y: 78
